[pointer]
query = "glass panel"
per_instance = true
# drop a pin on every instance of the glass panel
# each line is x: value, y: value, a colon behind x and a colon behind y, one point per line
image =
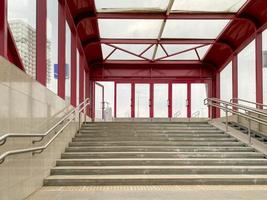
x: 176, y: 48
x: 98, y: 102
x: 124, y: 100
x: 161, y: 100
x: 129, y: 28
x: 78, y: 78
x: 52, y: 45
x: 246, y: 73
x: 202, y: 51
x: 134, y: 48
x: 149, y: 53
x: 160, y: 53
x: 106, y: 50
x: 199, y: 92
x: 264, y: 48
x: 22, y: 21
x: 142, y: 100
x: 68, y: 63
x: 207, y: 5
x: 108, y: 99
x: 194, y: 28
x: 121, y: 55
x: 179, y: 100
x: 107, y: 5
x: 226, y: 84
x: 189, y: 55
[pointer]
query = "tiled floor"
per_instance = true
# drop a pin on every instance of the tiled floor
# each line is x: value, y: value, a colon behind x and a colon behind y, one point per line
x: 152, y: 193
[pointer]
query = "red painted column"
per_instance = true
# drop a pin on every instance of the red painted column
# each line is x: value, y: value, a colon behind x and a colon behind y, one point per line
x: 61, y: 48
x: 151, y: 100
x: 3, y: 29
x: 115, y: 99
x: 189, y: 100
x: 132, y: 100
x: 73, y: 86
x: 259, y: 69
x: 41, y: 65
x: 170, y: 101
x: 235, y: 77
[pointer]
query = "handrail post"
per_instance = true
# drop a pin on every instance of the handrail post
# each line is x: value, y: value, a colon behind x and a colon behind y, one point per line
x: 227, y: 120
x: 249, y: 131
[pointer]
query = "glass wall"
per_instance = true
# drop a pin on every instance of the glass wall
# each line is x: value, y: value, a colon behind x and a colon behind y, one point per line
x: 264, y: 52
x: 78, y: 78
x: 142, y: 100
x: 246, y: 73
x: 226, y: 84
x: 68, y: 63
x: 22, y: 21
x: 52, y: 45
x: 199, y: 92
x: 161, y: 100
x: 179, y: 100
x: 123, y: 100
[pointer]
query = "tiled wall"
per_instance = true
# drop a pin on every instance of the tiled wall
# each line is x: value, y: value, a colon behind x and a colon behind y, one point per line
x: 27, y: 107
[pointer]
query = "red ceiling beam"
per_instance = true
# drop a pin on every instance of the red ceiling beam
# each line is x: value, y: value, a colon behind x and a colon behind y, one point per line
x: 154, y: 41
x: 147, y: 15
x: 130, y: 63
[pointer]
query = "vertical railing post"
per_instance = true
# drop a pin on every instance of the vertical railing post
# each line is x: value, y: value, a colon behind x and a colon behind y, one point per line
x: 249, y: 131
x: 227, y: 120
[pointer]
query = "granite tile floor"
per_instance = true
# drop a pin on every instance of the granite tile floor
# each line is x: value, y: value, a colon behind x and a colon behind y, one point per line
x: 152, y: 193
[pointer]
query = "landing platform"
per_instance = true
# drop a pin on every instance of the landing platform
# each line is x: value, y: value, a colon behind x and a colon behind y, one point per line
x: 152, y: 193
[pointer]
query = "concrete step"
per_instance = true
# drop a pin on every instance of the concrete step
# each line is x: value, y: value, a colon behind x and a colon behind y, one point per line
x: 164, y: 161
x: 139, y: 170
x: 160, y: 135
x: 87, y: 180
x: 158, y: 148
x: 157, y: 143
x: 149, y: 131
x: 150, y: 128
x: 133, y: 139
x: 72, y: 155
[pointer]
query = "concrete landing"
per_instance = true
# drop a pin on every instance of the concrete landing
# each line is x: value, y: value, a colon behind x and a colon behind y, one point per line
x: 152, y: 193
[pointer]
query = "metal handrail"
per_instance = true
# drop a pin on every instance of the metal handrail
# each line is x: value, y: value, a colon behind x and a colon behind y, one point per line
x: 258, y: 105
x: 196, y: 114
x: 40, y: 149
x: 251, y: 114
x: 3, y: 138
x: 177, y: 114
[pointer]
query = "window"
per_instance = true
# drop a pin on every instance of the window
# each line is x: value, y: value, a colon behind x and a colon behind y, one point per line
x: 68, y: 63
x: 78, y: 78
x: 52, y: 45
x: 246, y: 73
x: 226, y: 84
x: 22, y: 21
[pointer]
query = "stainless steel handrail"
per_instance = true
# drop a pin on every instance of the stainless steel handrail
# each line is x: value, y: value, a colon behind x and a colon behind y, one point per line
x: 3, y: 138
x: 258, y: 105
x: 177, y: 114
x: 40, y: 149
x: 249, y: 113
x: 196, y: 114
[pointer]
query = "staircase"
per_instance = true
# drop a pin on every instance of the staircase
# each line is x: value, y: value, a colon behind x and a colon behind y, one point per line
x: 162, y: 153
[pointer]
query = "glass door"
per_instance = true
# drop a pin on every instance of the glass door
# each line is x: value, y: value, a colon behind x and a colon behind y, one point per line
x: 179, y: 100
x: 199, y: 92
x: 123, y: 103
x: 141, y: 100
x: 161, y: 100
x: 99, y: 101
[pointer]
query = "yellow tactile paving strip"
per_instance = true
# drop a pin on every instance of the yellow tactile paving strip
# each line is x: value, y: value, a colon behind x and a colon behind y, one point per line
x: 155, y: 188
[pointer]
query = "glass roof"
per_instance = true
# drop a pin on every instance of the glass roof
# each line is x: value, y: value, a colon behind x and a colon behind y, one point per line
x: 136, y: 32
x: 129, y: 28
x: 130, y: 5
x: 225, y: 6
x: 194, y: 28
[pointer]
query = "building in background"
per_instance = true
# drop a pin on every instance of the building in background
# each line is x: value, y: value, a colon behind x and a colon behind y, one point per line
x: 25, y: 37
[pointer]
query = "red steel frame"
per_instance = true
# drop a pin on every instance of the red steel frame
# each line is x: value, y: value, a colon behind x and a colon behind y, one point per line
x: 64, y: 14
x: 3, y: 29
